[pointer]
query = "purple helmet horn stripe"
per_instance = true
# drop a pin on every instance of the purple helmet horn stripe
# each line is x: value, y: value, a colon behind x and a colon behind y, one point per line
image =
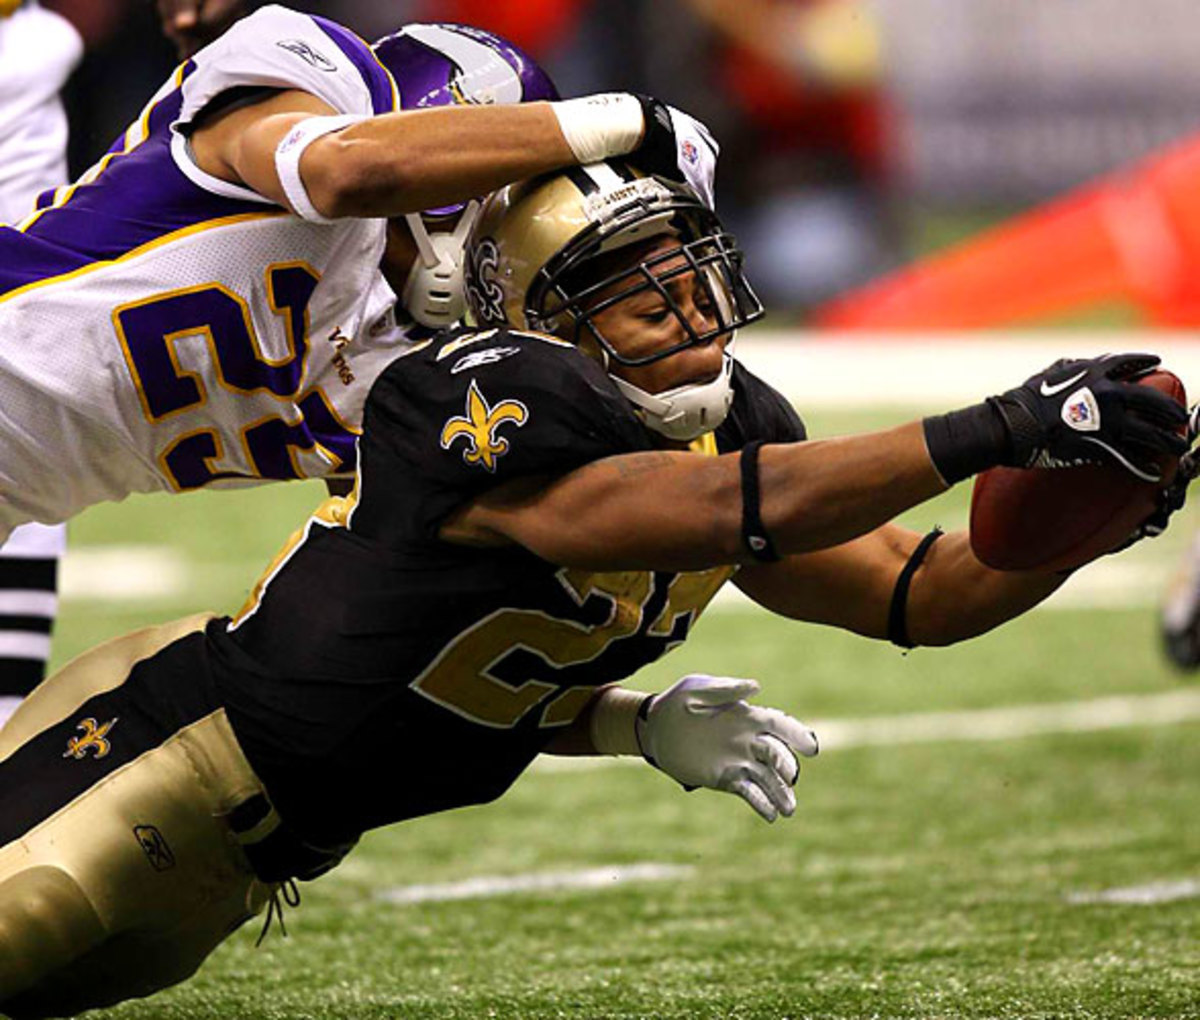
x: 445, y: 64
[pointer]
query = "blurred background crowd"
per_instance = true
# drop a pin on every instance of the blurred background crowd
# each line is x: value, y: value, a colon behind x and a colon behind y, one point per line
x: 855, y: 133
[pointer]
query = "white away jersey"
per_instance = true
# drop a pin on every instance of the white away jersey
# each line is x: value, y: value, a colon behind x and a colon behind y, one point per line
x: 162, y: 329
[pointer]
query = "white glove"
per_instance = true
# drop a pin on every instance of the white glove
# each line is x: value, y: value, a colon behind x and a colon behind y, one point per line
x: 701, y: 732
x: 697, y: 154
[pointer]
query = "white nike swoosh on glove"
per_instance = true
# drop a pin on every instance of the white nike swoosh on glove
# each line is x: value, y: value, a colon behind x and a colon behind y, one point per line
x: 1049, y: 391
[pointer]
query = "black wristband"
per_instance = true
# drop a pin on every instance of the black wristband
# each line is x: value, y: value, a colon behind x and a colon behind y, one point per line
x: 963, y: 443
x: 898, y: 610
x: 754, y: 532
x: 643, y: 716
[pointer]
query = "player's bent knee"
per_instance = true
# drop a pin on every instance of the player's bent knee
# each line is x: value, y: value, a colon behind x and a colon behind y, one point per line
x: 46, y: 922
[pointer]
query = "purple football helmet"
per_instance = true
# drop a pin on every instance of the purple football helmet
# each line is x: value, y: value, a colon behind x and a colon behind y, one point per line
x: 446, y: 65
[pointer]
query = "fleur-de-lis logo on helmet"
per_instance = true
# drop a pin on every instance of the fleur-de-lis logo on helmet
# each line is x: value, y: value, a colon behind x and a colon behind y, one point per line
x: 485, y: 295
x: 93, y: 739
x: 479, y: 427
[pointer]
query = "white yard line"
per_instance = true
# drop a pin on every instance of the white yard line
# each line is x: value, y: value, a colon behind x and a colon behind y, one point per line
x: 1149, y: 894
x: 1013, y: 722
x: 124, y: 573
x: 538, y: 881
x: 1009, y: 723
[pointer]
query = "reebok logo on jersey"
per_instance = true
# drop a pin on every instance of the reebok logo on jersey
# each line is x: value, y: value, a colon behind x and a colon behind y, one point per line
x: 478, y: 428
x: 93, y: 739
x: 488, y: 357
x: 454, y: 346
x: 308, y: 54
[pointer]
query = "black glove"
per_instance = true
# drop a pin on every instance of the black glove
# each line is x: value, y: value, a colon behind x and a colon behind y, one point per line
x: 658, y: 152
x: 1090, y: 411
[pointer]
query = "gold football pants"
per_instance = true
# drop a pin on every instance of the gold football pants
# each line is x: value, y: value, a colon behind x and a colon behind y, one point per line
x: 126, y: 886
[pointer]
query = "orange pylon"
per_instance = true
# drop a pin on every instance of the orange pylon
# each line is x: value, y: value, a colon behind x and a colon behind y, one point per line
x: 1132, y: 237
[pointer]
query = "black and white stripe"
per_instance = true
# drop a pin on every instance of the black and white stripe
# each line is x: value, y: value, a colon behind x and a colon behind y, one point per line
x: 28, y: 606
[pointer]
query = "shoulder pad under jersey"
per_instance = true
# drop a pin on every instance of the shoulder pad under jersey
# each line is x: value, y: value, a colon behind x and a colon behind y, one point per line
x: 278, y: 48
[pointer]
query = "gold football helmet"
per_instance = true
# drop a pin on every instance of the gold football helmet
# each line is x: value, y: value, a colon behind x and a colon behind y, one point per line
x: 545, y: 255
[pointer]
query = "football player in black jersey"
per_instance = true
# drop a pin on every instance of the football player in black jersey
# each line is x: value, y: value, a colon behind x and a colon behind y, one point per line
x: 544, y: 502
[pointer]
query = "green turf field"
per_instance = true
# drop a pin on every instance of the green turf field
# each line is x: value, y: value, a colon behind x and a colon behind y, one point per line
x: 934, y: 879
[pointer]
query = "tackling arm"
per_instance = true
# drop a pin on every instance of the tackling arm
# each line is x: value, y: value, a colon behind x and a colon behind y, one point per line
x: 678, y: 511
x: 398, y: 163
x: 388, y: 165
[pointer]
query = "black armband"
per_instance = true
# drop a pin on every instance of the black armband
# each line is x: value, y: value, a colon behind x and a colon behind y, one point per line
x: 963, y: 443
x: 754, y: 532
x: 643, y: 716
x: 897, y: 631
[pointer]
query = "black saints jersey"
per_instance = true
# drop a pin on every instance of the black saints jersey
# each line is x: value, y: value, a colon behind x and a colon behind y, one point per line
x: 379, y: 673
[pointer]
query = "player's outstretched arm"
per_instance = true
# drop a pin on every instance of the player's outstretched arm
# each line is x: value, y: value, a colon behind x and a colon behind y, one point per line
x: 701, y: 731
x: 677, y: 511
x: 671, y: 510
x: 404, y: 162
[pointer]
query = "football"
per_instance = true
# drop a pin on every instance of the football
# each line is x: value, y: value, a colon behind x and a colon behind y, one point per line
x: 1052, y: 519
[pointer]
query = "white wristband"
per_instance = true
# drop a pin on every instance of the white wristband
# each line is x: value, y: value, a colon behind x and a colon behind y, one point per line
x: 287, y: 160
x: 599, y: 126
x: 614, y: 721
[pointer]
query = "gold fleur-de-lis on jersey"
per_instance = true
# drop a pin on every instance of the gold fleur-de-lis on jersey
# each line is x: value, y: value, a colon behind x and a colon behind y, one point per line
x: 93, y: 739
x: 479, y: 426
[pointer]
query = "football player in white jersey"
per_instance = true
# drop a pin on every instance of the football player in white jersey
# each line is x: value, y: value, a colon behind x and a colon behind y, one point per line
x: 39, y: 49
x: 210, y: 303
